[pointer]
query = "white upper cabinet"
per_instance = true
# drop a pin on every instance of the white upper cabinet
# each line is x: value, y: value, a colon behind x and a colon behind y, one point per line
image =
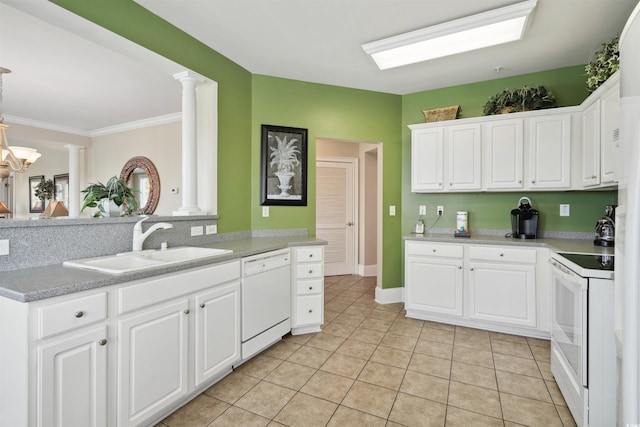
x: 504, y: 148
x: 568, y: 148
x: 427, y: 159
x: 550, y: 152
x: 464, y: 152
x: 590, y: 127
x: 609, y: 131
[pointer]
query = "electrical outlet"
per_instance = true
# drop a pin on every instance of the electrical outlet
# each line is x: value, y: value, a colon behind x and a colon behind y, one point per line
x: 565, y: 210
x: 175, y: 190
x: 392, y: 210
x: 440, y: 210
x: 197, y: 231
x: 422, y: 210
x: 211, y: 229
x: 4, y: 247
x: 265, y: 211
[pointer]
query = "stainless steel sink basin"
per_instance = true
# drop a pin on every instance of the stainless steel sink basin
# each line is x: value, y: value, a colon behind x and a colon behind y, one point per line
x: 136, y: 261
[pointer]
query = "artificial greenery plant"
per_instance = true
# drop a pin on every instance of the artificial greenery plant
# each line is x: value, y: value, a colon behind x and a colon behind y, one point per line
x: 114, y: 190
x: 44, y: 190
x: 522, y: 99
x: 605, y: 62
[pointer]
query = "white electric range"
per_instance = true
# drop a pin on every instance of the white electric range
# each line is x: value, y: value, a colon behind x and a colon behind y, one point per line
x: 583, y: 352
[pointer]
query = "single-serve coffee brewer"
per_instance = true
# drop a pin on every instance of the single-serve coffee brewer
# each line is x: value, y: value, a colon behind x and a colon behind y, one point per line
x: 524, y: 220
x: 605, y: 227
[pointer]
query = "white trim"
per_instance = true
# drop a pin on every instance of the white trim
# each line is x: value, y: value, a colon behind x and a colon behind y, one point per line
x: 367, y: 270
x: 44, y: 125
x: 137, y: 124
x: 389, y: 295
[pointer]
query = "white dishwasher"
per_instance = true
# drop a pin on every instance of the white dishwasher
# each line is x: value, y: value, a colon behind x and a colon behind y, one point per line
x: 266, y: 300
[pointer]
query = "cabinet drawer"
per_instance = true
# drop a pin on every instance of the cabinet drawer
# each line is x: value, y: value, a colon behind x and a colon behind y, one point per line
x: 309, y: 271
x: 309, y: 310
x: 434, y: 249
x: 309, y: 254
x: 72, y: 314
x: 503, y: 254
x: 309, y: 287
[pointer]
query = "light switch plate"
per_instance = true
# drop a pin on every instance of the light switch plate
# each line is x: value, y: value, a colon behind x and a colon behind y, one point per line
x: 265, y: 211
x: 197, y: 231
x: 4, y: 247
x: 422, y: 210
x: 565, y: 210
x: 392, y: 210
x: 211, y: 229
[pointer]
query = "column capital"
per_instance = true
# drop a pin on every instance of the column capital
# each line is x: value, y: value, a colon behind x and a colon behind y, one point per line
x: 188, y: 74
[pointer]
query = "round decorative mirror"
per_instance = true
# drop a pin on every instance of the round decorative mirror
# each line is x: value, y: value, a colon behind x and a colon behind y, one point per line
x: 141, y: 175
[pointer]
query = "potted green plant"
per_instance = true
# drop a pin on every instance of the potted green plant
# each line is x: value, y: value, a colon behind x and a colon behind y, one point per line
x: 605, y: 62
x: 44, y: 190
x: 114, y: 191
x: 521, y: 99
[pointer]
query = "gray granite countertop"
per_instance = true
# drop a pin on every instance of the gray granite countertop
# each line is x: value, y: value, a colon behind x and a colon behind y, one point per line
x: 32, y: 284
x: 579, y: 246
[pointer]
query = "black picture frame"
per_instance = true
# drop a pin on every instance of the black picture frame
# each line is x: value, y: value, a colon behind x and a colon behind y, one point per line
x: 61, y: 188
x: 35, y: 204
x: 283, y: 184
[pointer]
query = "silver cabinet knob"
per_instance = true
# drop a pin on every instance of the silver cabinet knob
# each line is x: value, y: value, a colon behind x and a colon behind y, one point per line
x: 533, y: 181
x: 471, y: 269
x: 102, y: 342
x: 501, y: 254
x: 519, y: 181
x: 186, y: 311
x: 433, y: 250
x: 310, y: 255
x: 459, y: 267
x: 310, y: 288
x: 79, y: 314
x: 310, y: 271
x: 201, y: 305
x: 310, y: 311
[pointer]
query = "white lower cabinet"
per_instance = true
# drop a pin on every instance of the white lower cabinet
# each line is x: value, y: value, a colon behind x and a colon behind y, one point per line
x: 152, y: 361
x: 435, y: 274
x: 307, y: 289
x: 72, y: 379
x: 475, y: 285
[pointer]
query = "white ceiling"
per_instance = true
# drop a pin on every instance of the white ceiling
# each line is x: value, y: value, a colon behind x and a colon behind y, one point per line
x: 71, y: 73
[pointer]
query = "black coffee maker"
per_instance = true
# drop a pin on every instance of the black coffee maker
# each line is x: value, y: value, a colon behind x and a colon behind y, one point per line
x: 524, y: 220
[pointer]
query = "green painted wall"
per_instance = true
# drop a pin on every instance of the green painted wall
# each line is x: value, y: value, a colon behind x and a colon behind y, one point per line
x: 491, y: 210
x: 128, y: 19
x: 246, y: 101
x: 335, y: 113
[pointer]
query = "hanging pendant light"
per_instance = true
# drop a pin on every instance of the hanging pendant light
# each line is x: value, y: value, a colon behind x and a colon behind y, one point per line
x: 17, y: 158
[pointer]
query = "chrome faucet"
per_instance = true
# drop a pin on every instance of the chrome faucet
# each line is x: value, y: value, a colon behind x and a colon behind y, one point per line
x: 139, y: 236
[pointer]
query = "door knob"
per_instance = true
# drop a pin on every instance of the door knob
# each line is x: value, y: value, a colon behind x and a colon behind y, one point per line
x: 102, y: 342
x: 349, y: 224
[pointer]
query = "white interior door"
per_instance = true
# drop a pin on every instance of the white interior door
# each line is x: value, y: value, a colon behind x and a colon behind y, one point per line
x: 336, y: 212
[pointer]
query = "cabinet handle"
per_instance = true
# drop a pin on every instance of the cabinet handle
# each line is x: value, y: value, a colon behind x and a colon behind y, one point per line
x: 439, y: 184
x: 201, y: 305
x: 519, y: 181
x: 310, y: 311
x: 434, y: 250
x: 501, y: 254
x: 186, y: 311
x: 459, y: 267
x: 310, y: 288
x: 471, y: 269
x: 79, y: 314
x: 451, y: 184
x: 102, y: 342
x: 533, y: 181
x: 593, y: 177
x: 310, y: 255
x: 310, y: 271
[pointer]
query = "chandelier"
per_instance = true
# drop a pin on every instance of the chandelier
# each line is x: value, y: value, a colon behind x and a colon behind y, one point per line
x: 16, y: 158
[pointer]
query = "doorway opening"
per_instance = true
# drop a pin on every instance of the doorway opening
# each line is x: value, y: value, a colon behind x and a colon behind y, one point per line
x: 349, y: 206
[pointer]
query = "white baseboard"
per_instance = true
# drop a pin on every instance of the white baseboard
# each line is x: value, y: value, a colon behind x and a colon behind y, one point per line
x: 389, y: 295
x: 367, y: 270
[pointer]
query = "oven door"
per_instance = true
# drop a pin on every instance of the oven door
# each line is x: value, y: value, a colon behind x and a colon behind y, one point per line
x: 569, y: 336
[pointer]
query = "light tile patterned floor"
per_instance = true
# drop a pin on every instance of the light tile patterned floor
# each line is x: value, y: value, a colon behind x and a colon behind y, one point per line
x: 372, y: 366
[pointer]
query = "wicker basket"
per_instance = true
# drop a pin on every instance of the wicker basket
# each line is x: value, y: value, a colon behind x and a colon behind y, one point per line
x: 442, y: 113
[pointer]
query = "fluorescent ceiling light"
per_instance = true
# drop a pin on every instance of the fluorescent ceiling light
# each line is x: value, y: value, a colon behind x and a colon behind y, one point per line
x: 461, y: 35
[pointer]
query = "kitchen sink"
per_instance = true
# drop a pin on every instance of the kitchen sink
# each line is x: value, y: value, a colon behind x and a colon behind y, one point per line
x: 141, y: 260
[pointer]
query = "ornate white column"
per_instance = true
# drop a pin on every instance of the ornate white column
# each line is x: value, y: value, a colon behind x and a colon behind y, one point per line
x: 189, y: 81
x: 74, y: 179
